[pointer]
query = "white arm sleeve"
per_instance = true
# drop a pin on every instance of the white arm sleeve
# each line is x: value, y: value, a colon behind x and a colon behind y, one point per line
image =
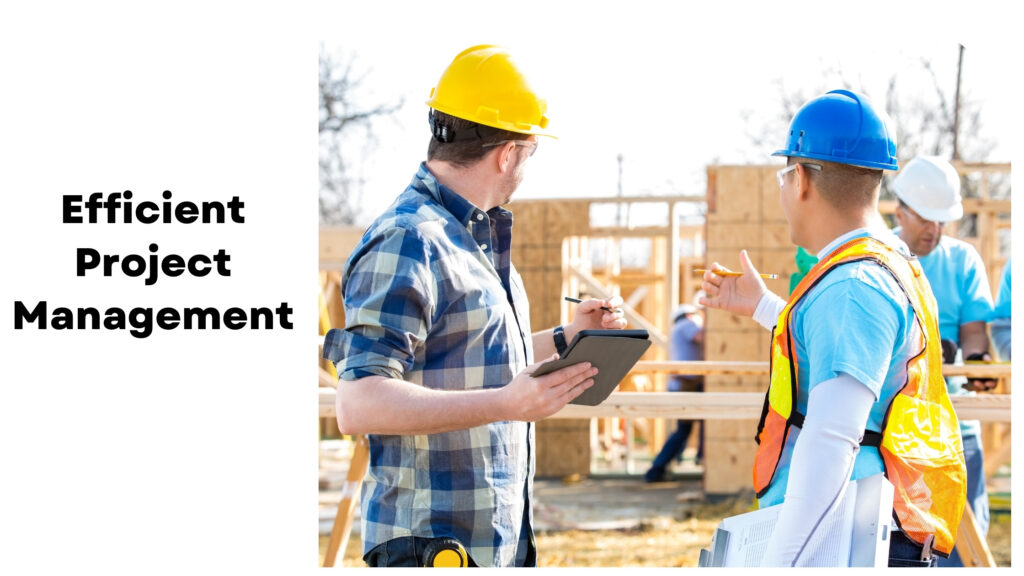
x: 768, y: 309
x: 837, y: 412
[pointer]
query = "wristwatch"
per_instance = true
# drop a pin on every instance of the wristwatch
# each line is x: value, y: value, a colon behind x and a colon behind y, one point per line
x: 559, y: 335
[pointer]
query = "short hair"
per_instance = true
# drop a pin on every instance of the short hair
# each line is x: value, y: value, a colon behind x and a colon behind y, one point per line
x: 844, y: 186
x: 469, y: 139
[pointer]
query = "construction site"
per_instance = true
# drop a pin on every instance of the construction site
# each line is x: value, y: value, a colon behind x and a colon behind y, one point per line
x: 592, y: 505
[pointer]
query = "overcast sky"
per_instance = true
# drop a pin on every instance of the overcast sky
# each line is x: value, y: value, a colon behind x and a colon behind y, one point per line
x: 667, y: 85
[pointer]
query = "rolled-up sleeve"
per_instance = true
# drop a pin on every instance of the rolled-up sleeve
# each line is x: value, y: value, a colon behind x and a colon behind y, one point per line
x: 387, y: 289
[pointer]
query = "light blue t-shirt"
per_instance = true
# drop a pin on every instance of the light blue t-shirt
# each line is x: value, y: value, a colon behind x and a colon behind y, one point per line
x: 1001, y: 327
x: 856, y: 320
x: 957, y: 275
x: 1003, y: 299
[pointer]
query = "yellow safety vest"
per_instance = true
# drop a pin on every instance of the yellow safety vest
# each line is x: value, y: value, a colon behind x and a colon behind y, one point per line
x: 920, y: 441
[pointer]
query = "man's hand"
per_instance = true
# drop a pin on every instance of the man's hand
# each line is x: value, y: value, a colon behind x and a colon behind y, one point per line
x: 590, y: 316
x: 980, y: 384
x: 529, y: 399
x: 737, y: 294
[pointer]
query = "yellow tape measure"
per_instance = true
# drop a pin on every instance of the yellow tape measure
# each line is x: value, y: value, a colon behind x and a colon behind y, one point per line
x: 445, y: 553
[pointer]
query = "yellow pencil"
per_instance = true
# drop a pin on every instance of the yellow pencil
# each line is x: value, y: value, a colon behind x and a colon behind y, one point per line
x: 731, y: 273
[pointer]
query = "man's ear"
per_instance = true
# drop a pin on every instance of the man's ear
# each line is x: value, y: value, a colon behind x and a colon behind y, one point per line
x: 505, y: 157
x: 804, y: 177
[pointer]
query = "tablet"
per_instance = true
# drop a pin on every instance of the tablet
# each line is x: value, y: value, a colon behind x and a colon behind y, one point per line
x: 613, y: 352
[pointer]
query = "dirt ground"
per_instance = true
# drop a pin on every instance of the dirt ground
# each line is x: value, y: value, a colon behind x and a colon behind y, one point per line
x: 622, y: 522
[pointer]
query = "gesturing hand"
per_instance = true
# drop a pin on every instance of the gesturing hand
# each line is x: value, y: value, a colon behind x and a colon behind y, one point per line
x: 737, y: 294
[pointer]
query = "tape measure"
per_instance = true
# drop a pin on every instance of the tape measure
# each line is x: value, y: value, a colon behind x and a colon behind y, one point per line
x: 445, y: 553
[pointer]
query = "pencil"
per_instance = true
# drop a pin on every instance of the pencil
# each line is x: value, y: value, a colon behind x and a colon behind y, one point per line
x: 730, y: 273
x: 578, y: 301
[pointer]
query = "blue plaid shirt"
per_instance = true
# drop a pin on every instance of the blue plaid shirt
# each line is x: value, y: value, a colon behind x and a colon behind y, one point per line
x: 431, y: 297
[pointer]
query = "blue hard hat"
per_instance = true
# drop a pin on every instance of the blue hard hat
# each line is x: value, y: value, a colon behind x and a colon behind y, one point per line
x: 842, y: 127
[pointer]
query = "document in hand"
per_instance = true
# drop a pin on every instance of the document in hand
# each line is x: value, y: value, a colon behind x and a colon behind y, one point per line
x: 613, y: 352
x: 855, y: 532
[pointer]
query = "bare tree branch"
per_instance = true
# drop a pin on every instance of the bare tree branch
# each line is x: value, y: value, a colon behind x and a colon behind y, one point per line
x: 341, y: 115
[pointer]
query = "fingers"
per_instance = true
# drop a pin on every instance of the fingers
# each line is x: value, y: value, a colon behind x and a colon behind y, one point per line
x: 712, y: 285
x: 533, y: 367
x: 574, y: 392
x: 591, y: 305
x: 572, y: 374
x: 614, y: 302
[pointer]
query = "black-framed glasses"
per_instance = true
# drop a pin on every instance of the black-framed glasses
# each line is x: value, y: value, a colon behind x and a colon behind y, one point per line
x: 532, y: 144
x: 781, y: 174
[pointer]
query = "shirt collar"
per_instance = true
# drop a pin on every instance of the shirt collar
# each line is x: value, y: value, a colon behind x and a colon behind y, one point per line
x: 883, y: 235
x: 463, y: 210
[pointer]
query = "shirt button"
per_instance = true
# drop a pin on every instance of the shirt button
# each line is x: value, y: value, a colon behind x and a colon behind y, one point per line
x: 479, y: 215
x: 483, y: 246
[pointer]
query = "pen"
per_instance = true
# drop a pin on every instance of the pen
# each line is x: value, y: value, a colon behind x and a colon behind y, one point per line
x: 730, y: 273
x: 578, y: 301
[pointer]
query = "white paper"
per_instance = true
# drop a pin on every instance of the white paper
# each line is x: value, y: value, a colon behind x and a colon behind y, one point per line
x: 862, y: 516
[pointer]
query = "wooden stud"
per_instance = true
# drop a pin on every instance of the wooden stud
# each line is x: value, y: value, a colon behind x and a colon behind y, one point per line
x: 347, y: 507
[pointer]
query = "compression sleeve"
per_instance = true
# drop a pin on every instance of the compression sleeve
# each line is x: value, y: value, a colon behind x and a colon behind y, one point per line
x: 823, y: 457
x: 768, y: 309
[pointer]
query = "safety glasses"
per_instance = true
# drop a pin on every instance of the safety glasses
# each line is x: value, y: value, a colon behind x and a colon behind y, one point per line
x: 532, y: 145
x: 781, y: 174
x: 917, y: 219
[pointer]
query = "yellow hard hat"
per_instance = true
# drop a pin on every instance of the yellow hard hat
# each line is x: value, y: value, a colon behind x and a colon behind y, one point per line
x: 485, y: 86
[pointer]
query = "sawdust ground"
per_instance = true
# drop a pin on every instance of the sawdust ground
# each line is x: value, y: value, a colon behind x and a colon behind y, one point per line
x: 663, y: 543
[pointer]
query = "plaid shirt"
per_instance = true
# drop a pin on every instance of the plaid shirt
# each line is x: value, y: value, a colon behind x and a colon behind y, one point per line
x: 431, y: 297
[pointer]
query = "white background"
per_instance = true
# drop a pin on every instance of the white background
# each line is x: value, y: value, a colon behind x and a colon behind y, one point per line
x: 196, y: 451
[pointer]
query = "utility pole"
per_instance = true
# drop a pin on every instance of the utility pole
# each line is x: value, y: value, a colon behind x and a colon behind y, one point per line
x: 618, y: 217
x: 956, y: 106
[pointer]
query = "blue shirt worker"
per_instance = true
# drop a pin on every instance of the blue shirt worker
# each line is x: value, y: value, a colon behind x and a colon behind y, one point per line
x: 928, y: 193
x: 1001, y: 317
x: 436, y: 358
x: 855, y: 349
x: 686, y: 343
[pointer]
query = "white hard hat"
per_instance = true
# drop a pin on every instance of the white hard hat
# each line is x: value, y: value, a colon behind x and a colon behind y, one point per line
x: 696, y: 299
x: 931, y: 187
x: 682, y: 310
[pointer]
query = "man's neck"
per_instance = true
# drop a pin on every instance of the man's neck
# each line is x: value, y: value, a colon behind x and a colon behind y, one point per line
x: 466, y: 182
x: 833, y: 225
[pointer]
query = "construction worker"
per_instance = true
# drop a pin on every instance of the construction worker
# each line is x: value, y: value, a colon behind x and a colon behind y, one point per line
x: 436, y: 356
x: 855, y: 350
x: 928, y: 194
x: 1001, y: 334
x: 686, y: 343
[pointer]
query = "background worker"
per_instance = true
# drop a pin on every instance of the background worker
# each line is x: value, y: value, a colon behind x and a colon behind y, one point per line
x: 928, y: 191
x: 844, y: 342
x: 1001, y: 317
x: 686, y: 343
x: 436, y: 357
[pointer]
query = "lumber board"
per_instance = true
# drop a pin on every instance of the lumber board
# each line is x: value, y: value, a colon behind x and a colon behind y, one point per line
x: 336, y: 244
x: 971, y: 544
x: 347, y: 506
x: 735, y: 235
x: 716, y: 405
x: 737, y: 195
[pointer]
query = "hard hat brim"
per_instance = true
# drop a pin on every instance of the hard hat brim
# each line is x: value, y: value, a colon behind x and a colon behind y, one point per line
x: 836, y: 160
x: 951, y: 214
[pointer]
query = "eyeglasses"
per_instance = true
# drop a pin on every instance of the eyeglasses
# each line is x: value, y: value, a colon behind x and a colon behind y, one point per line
x: 781, y: 174
x: 918, y: 219
x: 531, y: 143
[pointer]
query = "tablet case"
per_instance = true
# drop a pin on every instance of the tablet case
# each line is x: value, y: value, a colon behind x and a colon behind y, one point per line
x: 613, y: 352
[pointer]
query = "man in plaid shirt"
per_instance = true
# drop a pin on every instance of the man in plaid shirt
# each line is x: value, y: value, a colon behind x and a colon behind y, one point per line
x: 436, y: 357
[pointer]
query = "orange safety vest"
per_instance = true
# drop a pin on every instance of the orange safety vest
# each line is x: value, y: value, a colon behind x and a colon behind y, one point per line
x: 920, y: 440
